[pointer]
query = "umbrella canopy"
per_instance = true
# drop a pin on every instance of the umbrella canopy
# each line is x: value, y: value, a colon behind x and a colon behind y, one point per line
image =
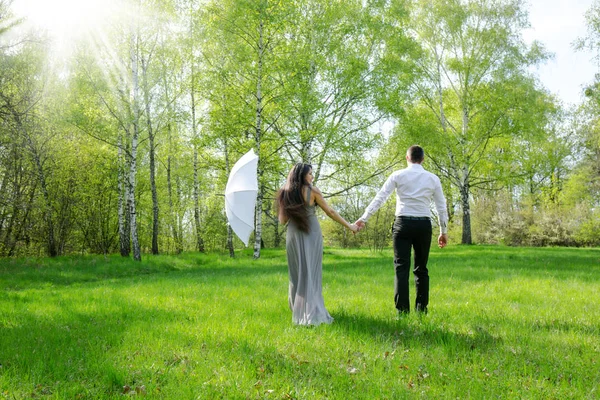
x: 240, y: 196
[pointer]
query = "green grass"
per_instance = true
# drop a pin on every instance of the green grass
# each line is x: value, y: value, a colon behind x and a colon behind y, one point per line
x: 503, y: 323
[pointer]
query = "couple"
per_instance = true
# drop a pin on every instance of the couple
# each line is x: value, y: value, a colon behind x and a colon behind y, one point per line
x: 415, y: 189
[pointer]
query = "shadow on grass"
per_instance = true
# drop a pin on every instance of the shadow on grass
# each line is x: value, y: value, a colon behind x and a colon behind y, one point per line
x: 86, y: 348
x: 583, y: 327
x: 97, y: 349
x: 415, y: 330
x: 484, y: 263
x: 41, y: 273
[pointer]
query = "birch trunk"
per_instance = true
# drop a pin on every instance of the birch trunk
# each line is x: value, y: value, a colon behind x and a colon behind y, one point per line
x: 465, y: 188
x: 229, y: 230
x: 128, y: 195
x: 258, y: 139
x: 152, y: 161
x: 443, y: 120
x: 124, y: 243
x: 178, y: 214
x: 173, y: 214
x: 134, y: 145
x: 464, y: 195
x: 199, y: 240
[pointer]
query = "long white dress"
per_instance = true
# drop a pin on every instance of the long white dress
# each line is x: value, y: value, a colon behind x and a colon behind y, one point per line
x: 305, y: 264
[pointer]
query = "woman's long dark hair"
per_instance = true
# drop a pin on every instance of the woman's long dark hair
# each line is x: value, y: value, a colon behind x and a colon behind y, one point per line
x: 290, y: 198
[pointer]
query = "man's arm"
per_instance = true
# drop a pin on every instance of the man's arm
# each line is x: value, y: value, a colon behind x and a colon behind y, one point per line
x: 440, y: 206
x: 380, y: 198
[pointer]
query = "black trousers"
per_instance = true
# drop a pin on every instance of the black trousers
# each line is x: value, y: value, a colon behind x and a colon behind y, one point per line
x: 411, y: 233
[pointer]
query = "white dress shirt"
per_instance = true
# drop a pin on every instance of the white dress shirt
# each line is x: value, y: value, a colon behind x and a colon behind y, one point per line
x: 415, y: 189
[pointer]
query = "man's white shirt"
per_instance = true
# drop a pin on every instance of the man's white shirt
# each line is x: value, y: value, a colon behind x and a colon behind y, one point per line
x: 415, y: 190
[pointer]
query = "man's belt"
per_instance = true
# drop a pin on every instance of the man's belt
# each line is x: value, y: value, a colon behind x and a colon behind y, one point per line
x: 414, y: 218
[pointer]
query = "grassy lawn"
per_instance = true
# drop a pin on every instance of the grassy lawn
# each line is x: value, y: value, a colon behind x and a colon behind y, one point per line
x: 503, y: 323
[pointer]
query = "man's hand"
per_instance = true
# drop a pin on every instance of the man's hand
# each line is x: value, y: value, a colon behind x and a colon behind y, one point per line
x: 442, y: 240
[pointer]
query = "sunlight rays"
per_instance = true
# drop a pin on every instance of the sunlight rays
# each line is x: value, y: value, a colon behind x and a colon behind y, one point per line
x: 65, y: 20
x: 77, y: 27
x: 67, y: 23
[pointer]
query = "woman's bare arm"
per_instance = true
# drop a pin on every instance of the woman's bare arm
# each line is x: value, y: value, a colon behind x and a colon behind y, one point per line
x: 283, y: 219
x: 331, y: 213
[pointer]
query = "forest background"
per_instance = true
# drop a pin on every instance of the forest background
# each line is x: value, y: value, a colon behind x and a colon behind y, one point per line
x: 126, y: 144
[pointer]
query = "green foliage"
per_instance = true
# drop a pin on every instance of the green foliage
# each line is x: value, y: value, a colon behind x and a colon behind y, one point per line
x: 206, y: 326
x: 329, y: 76
x: 534, y: 223
x: 475, y: 96
x: 589, y: 231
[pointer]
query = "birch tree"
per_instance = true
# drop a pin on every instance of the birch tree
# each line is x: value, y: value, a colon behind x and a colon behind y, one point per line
x: 111, y: 70
x: 191, y: 40
x: 154, y: 47
x: 171, y: 82
x: 135, y: 134
x: 249, y: 34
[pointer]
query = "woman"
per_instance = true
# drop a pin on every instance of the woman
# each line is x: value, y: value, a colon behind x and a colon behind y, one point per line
x: 304, y: 244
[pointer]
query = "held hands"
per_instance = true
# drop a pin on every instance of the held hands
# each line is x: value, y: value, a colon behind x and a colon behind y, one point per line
x: 358, y: 226
x: 361, y: 224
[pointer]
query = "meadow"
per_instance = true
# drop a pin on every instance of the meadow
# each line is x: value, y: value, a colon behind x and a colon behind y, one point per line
x: 503, y: 323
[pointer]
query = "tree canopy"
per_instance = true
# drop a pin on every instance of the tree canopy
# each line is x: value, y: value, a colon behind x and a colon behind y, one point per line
x: 124, y: 144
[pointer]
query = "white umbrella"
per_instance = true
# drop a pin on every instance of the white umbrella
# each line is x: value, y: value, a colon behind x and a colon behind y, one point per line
x: 240, y: 196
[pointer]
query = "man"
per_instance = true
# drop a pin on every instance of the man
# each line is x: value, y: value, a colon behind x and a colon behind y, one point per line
x: 415, y: 189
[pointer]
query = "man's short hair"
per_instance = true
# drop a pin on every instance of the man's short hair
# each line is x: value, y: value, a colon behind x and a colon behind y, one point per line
x: 415, y: 153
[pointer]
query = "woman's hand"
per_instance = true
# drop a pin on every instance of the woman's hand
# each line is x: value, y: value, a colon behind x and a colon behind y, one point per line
x: 354, y: 228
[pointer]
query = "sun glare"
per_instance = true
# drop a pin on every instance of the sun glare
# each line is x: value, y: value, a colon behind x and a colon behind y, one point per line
x: 66, y: 21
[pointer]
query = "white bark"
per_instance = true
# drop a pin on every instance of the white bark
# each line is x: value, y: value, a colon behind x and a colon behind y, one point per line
x: 229, y: 230
x: 258, y: 139
x: 134, y: 145
x: 199, y: 240
x: 124, y: 244
x: 155, y: 209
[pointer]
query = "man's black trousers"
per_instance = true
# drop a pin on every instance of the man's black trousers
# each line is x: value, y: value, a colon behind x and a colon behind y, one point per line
x: 411, y: 233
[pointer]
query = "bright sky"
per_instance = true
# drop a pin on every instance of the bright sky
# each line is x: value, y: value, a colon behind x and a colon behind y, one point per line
x: 557, y: 24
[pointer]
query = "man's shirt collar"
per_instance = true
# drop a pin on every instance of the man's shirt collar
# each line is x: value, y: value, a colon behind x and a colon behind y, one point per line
x: 414, y: 166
